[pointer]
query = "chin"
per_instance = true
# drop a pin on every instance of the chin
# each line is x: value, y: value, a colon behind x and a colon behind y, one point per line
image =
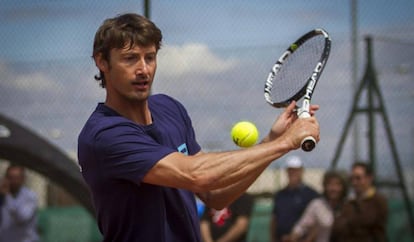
x: 140, y: 96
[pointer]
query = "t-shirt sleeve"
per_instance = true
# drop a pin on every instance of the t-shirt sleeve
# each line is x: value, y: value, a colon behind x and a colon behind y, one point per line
x: 126, y: 152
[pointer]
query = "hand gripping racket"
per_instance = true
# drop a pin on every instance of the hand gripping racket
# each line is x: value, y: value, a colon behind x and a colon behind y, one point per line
x: 295, y: 74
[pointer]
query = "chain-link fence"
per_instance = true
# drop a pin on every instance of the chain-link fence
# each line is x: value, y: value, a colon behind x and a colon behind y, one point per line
x: 215, y: 58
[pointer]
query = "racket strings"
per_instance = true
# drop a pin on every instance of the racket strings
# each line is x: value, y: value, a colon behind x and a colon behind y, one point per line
x: 297, y: 68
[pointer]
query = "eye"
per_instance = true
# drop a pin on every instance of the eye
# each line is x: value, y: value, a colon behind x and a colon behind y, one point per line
x: 150, y: 58
x: 130, y: 58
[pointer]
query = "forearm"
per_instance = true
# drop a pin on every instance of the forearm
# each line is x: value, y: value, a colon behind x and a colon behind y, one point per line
x: 220, y: 198
x: 205, y: 172
x: 241, y: 167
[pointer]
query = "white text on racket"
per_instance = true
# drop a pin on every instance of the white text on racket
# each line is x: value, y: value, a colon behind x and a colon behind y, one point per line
x: 274, y: 71
x: 312, y: 81
x: 310, y: 87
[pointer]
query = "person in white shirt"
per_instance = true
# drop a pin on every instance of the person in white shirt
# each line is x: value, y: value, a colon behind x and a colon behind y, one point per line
x: 316, y: 222
x: 18, y: 207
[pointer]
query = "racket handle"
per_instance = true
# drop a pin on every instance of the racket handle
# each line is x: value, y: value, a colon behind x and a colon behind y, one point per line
x: 308, y: 143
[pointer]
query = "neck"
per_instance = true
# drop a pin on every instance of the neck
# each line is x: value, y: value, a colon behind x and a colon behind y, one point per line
x: 14, y: 192
x: 296, y: 185
x: 333, y: 203
x: 137, y: 111
x: 370, y: 191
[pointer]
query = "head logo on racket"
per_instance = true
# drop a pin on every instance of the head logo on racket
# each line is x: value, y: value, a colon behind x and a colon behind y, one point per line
x: 295, y: 74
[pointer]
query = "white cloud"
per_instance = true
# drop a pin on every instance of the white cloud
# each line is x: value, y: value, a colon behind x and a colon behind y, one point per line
x: 37, y: 81
x: 191, y: 58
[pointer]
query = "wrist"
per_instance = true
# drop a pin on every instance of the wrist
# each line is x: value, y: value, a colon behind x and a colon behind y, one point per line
x: 284, y: 145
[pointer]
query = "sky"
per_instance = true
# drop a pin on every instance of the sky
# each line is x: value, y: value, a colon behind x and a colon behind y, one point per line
x: 215, y: 58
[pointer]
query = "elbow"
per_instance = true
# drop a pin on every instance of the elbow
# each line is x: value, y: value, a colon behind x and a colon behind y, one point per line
x: 202, y: 183
x: 216, y: 204
x: 214, y: 200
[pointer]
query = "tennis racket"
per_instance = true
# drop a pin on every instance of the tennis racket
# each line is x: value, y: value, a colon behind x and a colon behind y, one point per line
x: 295, y: 74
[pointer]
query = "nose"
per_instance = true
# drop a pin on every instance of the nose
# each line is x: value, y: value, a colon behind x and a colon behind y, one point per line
x: 142, y: 67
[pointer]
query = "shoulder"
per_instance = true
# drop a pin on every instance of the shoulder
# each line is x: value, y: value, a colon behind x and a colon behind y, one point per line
x: 309, y: 190
x: 380, y: 196
x: 105, y: 121
x: 318, y: 203
x: 169, y: 106
x: 105, y: 130
x: 281, y: 192
x: 380, y: 199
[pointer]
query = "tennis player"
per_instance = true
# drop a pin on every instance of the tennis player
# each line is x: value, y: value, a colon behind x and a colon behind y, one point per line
x: 138, y: 152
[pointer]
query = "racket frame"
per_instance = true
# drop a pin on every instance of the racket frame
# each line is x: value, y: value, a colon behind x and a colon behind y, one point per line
x: 307, y: 90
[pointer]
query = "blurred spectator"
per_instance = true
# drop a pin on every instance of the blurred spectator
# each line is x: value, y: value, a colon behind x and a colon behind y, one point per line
x: 228, y: 224
x: 18, y: 207
x: 364, y: 216
x: 319, y: 216
x: 290, y: 202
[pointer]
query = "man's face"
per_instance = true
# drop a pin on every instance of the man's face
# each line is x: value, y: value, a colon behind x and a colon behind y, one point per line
x: 295, y: 176
x: 15, y: 178
x: 129, y: 73
x: 361, y: 182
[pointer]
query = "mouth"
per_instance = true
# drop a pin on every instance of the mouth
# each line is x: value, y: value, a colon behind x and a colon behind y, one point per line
x: 140, y: 84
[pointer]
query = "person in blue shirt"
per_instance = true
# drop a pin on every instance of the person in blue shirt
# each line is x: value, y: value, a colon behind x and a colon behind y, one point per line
x: 138, y: 152
x: 18, y: 207
x: 290, y: 202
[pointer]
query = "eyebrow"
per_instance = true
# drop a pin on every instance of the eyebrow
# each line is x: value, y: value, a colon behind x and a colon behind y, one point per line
x: 131, y: 52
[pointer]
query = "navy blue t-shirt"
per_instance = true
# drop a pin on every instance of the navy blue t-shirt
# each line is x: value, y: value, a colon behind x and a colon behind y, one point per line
x: 115, y: 154
x: 288, y: 206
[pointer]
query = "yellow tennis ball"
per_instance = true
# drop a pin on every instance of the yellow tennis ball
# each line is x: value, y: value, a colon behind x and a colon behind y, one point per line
x: 244, y: 134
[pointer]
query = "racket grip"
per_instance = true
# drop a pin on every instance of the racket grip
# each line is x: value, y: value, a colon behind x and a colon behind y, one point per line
x: 308, y: 143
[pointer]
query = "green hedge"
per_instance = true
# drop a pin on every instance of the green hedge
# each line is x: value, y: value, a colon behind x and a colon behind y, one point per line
x: 67, y: 224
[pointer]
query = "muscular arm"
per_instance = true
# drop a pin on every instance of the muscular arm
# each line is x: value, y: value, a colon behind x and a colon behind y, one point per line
x: 220, y: 198
x: 221, y: 177
x: 225, y: 173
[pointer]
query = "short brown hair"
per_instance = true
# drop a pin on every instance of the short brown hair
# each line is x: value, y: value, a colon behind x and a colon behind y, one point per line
x: 333, y: 174
x: 365, y: 166
x: 129, y: 28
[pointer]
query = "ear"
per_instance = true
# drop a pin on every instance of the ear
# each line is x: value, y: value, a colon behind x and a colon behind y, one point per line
x: 101, y: 63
